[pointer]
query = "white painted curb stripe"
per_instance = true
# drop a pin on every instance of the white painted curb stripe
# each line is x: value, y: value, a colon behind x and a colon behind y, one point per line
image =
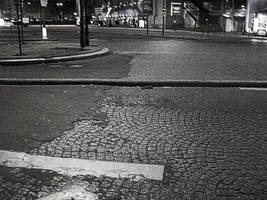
x: 58, y: 58
x: 24, y: 60
x: 102, y: 51
x: 146, y: 52
x: 74, y: 167
x: 254, y: 89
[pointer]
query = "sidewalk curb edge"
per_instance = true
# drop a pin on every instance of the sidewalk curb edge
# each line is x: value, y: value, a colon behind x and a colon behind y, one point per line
x: 102, y: 52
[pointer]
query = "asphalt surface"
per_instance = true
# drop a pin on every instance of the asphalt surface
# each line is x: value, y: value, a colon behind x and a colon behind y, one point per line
x: 212, y: 141
x: 151, y: 58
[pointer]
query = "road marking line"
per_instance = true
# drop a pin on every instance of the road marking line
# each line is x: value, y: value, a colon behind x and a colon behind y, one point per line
x: 145, y: 52
x: 74, y: 167
x: 259, y: 40
x: 254, y: 89
x: 74, y: 192
x: 65, y: 66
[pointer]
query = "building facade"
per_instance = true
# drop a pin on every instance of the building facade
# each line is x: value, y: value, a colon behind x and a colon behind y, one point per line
x: 199, y: 13
x: 223, y: 15
x: 217, y: 15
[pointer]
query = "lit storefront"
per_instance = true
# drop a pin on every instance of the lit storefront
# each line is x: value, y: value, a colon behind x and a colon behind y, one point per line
x: 173, y: 16
x: 256, y: 16
x: 218, y: 15
x: 119, y: 14
x: 235, y: 19
x: 260, y: 23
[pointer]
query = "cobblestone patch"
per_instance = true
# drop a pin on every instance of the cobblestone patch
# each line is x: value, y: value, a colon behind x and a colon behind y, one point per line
x: 210, y: 152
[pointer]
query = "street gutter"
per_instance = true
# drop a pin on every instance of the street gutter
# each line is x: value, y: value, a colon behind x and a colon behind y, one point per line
x: 135, y: 83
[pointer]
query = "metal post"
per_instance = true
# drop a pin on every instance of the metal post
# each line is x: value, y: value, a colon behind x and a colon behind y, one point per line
x: 86, y: 24
x: 18, y: 26
x: 163, y: 24
x: 41, y: 17
x: 147, y: 24
x: 163, y: 17
x: 21, y: 19
x: 208, y: 28
x: 82, y: 37
x: 10, y: 15
x: 44, y: 31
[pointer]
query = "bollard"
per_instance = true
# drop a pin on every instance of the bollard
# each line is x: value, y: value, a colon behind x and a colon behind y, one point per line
x: 44, y: 33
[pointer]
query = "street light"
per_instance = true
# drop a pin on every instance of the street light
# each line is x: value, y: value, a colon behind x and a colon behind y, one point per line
x: 60, y: 5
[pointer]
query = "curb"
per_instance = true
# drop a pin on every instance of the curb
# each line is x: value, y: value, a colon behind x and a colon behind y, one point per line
x: 135, y: 83
x: 23, y: 61
x: 213, y: 37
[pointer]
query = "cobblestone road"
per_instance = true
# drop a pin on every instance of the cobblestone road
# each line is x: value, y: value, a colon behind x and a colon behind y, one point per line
x: 210, y: 151
x: 213, y: 142
x: 190, y: 60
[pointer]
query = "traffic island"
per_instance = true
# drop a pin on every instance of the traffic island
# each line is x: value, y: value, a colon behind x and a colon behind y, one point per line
x: 35, y: 52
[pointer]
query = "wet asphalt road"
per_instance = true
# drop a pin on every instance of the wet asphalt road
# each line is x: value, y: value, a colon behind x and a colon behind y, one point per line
x: 151, y: 58
x: 212, y: 140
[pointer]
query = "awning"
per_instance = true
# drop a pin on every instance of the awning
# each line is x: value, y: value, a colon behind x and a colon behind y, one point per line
x: 240, y: 13
x: 263, y: 10
x: 228, y: 14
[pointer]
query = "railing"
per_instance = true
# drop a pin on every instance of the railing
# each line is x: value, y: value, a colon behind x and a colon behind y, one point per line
x: 206, y: 20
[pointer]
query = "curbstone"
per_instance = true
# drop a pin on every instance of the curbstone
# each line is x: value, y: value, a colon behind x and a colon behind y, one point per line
x: 23, y: 61
x: 136, y: 83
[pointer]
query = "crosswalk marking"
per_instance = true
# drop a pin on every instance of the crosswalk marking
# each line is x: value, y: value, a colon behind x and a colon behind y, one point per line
x: 74, y: 166
x: 254, y: 89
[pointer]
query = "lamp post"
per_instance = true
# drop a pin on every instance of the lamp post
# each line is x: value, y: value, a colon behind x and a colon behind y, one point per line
x: 60, y: 5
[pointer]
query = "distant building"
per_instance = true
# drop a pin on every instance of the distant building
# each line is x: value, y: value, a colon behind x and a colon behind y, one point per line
x: 56, y: 10
x: 223, y: 15
x: 217, y: 15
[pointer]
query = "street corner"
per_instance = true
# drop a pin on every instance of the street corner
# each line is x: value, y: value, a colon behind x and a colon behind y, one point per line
x: 39, y: 52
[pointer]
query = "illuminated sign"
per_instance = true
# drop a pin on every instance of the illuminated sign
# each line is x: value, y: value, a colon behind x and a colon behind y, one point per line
x: 147, y: 6
x: 253, y: 7
x: 260, y: 24
x: 176, y: 9
x: 44, y: 3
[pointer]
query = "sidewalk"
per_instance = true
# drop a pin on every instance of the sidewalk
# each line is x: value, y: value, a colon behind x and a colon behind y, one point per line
x: 40, y: 51
x: 186, y: 34
x: 54, y: 50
